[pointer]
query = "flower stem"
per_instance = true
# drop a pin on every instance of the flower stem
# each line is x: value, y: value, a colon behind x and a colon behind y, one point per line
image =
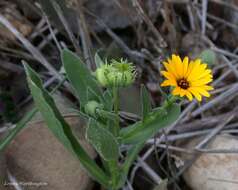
x: 116, y: 110
x: 113, y: 164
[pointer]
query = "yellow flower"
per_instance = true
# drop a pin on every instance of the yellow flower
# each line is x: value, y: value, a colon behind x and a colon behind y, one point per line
x: 189, y: 78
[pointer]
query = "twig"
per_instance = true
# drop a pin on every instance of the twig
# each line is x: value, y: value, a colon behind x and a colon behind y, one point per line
x: 226, y: 23
x: 191, y: 17
x: 35, y: 52
x: 132, y: 54
x: 149, y: 171
x: 66, y: 26
x: 178, y: 1
x: 7, y: 128
x: 13, y: 181
x: 128, y: 186
x: 202, y: 150
x: 204, y: 16
x: 226, y: 3
x: 45, y: 85
x: 38, y: 28
x: 147, y: 20
x: 232, y: 67
x: 224, y: 52
x: 202, y: 144
x: 52, y: 31
x: 16, y: 53
x: 186, y: 135
x: 162, y: 138
x: 216, y: 100
x: 205, y: 123
x: 85, y: 38
x: 46, y: 40
x: 223, y: 180
x: 218, y: 151
x: 11, y: 67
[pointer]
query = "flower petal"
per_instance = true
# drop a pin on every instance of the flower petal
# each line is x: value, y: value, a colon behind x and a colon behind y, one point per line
x: 195, y: 70
x: 201, y: 73
x: 201, y: 82
x: 202, y: 91
x: 208, y: 87
x: 168, y: 83
x: 196, y: 94
x: 189, y: 95
x: 185, y: 65
x: 177, y: 62
x: 176, y: 91
x: 182, y: 92
x: 170, y: 68
x: 168, y: 75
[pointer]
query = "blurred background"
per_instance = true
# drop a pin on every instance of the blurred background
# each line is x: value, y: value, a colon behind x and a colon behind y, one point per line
x: 145, y: 32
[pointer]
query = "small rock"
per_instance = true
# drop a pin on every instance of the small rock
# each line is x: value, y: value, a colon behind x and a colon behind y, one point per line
x: 36, y: 156
x: 214, y: 171
x: 103, y: 9
x: 123, y: 13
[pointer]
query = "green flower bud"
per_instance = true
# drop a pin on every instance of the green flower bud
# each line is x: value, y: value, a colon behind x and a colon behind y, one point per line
x: 117, y: 73
x: 91, y: 108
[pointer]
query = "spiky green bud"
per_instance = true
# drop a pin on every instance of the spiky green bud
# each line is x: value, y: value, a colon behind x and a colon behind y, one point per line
x: 91, y: 108
x: 117, y: 73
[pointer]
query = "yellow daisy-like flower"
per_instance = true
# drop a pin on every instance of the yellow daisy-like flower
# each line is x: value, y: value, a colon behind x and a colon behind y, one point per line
x: 189, y: 78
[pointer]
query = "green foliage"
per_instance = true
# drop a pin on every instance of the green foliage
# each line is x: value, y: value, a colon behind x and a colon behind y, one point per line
x: 208, y: 56
x: 103, y: 130
x: 102, y: 140
x: 116, y: 74
x: 80, y: 77
x: 158, y: 119
x: 59, y: 127
x: 109, y: 100
x: 91, y: 107
x: 99, y: 62
x: 145, y: 102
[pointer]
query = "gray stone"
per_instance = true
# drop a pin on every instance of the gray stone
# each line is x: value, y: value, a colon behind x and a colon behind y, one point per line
x: 35, y: 155
x: 214, y: 171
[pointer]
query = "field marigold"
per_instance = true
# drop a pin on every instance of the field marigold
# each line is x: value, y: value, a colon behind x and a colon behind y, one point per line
x: 189, y: 78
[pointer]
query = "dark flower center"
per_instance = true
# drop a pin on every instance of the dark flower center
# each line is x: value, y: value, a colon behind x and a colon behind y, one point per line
x: 183, y: 83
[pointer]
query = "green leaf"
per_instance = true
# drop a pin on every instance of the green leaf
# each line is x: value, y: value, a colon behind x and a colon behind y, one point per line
x: 130, y: 158
x: 107, y: 115
x: 19, y: 126
x: 145, y: 102
x: 91, y: 95
x: 58, y: 126
x: 99, y: 62
x: 108, y: 103
x: 22, y: 123
x: 208, y: 56
x: 139, y: 126
x: 79, y: 76
x: 102, y: 140
x: 142, y: 131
